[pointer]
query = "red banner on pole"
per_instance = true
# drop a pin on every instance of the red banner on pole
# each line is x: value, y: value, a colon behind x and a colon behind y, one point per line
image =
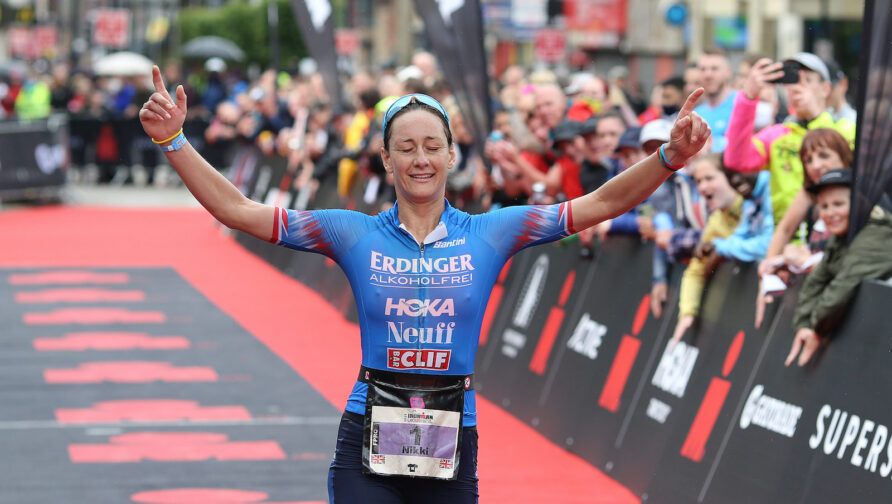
x: 596, y: 23
x: 550, y: 45
x: 20, y: 40
x: 111, y: 28
x: 346, y: 41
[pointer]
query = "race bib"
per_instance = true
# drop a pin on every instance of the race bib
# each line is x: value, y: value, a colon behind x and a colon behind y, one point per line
x: 413, y: 430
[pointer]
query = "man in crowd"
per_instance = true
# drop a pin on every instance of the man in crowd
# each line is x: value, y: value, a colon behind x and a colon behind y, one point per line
x: 838, y: 106
x: 672, y: 97
x: 551, y: 104
x: 715, y: 73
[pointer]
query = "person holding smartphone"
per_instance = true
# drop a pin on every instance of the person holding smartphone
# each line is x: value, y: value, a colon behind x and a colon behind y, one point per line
x: 806, y: 81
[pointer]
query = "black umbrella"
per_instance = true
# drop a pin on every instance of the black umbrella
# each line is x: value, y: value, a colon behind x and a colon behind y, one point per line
x: 210, y: 47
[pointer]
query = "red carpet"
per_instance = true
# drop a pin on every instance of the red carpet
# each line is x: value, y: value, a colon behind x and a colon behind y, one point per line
x: 292, y: 320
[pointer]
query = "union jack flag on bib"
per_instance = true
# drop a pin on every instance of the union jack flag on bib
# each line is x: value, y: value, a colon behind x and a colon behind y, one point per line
x: 445, y: 464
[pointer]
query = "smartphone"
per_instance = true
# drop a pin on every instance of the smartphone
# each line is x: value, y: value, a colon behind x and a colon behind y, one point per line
x: 791, y: 73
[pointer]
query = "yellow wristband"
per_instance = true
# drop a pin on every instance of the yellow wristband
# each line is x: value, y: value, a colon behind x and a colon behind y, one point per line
x: 169, y: 139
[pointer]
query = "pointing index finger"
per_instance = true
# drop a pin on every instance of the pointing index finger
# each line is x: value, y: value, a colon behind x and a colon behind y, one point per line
x: 159, y: 82
x: 691, y: 102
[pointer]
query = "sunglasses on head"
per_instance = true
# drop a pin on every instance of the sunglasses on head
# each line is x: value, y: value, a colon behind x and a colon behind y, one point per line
x: 401, y: 103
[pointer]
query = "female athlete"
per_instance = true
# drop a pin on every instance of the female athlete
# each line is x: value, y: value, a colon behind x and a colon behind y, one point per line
x: 421, y: 274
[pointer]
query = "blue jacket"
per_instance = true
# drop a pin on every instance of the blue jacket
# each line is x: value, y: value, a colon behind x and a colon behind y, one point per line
x: 750, y: 239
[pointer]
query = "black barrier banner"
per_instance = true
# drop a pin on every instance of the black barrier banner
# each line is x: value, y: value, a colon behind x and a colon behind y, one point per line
x: 692, y: 392
x: 455, y: 30
x: 122, y: 142
x: 317, y: 28
x: 33, y: 157
x: 873, y: 163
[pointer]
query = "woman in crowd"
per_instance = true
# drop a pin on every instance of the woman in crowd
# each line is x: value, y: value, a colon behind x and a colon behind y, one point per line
x: 823, y: 149
x: 828, y: 289
x: 739, y: 227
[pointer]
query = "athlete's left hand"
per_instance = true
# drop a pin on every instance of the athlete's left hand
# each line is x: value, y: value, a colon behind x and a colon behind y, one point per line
x: 689, y: 133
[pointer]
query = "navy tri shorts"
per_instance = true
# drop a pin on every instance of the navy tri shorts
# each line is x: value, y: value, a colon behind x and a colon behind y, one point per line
x: 348, y: 485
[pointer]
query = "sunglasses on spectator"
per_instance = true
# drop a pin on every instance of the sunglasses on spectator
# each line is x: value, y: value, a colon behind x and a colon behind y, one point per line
x: 405, y: 100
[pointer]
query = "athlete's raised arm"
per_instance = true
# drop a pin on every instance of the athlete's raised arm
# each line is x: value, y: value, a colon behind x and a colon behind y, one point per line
x: 162, y: 119
x: 689, y: 134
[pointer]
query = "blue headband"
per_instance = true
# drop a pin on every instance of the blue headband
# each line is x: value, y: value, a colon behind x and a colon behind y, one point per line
x: 401, y: 102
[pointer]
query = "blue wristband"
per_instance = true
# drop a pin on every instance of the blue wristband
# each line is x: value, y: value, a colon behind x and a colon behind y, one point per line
x: 176, y: 144
x: 665, y: 161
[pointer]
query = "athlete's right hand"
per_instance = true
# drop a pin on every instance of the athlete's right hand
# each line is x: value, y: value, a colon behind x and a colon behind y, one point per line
x: 161, y: 118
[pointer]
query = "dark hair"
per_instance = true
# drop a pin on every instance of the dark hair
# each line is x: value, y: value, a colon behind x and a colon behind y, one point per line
x: 415, y: 85
x: 716, y: 160
x: 677, y: 82
x: 735, y: 178
x: 612, y: 114
x: 369, y: 98
x: 416, y: 105
x: 825, y: 137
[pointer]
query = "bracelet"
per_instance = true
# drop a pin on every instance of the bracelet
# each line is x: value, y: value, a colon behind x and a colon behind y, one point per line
x: 169, y: 139
x: 666, y: 164
x: 178, y: 142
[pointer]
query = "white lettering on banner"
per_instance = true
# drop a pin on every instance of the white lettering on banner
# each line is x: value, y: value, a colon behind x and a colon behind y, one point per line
x: 848, y: 429
x: 587, y: 337
x: 675, y: 368
x: 531, y: 292
x: 411, y: 358
x: 448, y: 7
x: 50, y: 157
x: 419, y: 308
x: 441, y: 335
x: 450, y: 243
x: 658, y: 410
x: 320, y: 10
x: 263, y: 179
x: 514, y: 341
x: 770, y: 413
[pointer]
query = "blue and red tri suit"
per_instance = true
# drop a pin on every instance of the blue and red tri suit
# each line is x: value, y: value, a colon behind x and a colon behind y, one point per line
x: 421, y: 305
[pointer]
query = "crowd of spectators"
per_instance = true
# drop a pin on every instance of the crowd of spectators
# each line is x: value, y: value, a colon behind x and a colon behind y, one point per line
x: 756, y: 193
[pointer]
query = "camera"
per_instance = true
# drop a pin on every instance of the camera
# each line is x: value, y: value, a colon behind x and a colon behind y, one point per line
x: 791, y: 73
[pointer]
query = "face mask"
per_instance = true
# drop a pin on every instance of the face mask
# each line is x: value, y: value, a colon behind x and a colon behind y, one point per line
x: 764, y: 115
x: 670, y: 109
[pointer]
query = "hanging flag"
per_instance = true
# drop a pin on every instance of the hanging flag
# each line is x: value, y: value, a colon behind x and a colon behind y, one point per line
x: 455, y: 30
x: 317, y: 29
x: 873, y: 163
